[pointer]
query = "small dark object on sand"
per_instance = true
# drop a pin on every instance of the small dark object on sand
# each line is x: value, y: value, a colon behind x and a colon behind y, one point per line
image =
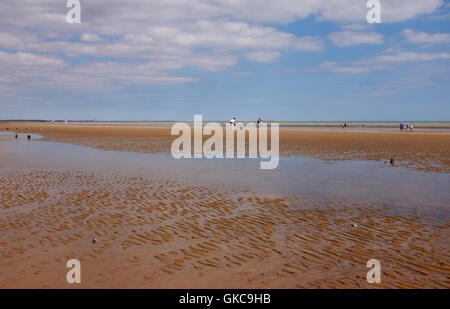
x: 7, y: 129
x: 28, y: 137
x: 94, y: 240
x: 392, y: 161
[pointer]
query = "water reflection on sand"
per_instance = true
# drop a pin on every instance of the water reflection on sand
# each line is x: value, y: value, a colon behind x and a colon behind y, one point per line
x: 365, y: 181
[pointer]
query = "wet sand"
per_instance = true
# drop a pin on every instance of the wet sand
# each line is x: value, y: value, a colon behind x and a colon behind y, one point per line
x: 418, y: 150
x: 165, y: 232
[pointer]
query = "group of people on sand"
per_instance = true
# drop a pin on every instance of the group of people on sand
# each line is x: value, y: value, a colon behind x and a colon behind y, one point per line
x: 346, y: 125
x: 258, y: 122
x: 406, y: 126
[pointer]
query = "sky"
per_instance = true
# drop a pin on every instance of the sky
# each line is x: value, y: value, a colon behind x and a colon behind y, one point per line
x: 286, y: 60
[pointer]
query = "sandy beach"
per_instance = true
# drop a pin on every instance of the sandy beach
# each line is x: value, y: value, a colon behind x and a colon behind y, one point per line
x: 158, y: 230
x: 419, y: 150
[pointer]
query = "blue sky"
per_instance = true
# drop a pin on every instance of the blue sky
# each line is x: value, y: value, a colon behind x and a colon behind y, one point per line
x: 279, y: 60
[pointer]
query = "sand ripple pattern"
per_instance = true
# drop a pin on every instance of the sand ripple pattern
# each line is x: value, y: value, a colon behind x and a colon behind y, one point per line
x: 164, y: 233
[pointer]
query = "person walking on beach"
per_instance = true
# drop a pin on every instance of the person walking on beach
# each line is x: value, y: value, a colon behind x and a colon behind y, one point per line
x: 401, y: 126
x: 410, y: 127
x: 233, y: 121
x: 259, y: 122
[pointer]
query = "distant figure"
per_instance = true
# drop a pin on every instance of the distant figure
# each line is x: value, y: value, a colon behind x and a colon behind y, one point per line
x: 401, y: 126
x: 259, y: 122
x: 17, y: 136
x: 65, y: 122
x: 410, y: 127
x: 28, y: 137
x: 52, y: 122
x: 233, y: 121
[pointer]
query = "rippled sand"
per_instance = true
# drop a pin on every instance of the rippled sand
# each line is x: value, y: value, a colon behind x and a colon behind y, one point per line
x: 169, y: 234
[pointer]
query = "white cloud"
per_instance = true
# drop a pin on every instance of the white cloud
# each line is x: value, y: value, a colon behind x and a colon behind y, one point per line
x: 223, y: 40
x: 119, y: 17
x: 354, y: 11
x: 89, y: 37
x: 334, y: 67
x: 232, y: 36
x: 402, y: 10
x: 411, y: 57
x: 380, y: 62
x: 425, y: 38
x: 263, y: 56
x: 161, y: 36
x: 26, y: 59
x: 27, y: 69
x: 351, y: 38
x: 308, y: 43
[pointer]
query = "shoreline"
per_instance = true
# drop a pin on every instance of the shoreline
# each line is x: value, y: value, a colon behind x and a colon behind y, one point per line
x: 426, y: 151
x: 422, y: 126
